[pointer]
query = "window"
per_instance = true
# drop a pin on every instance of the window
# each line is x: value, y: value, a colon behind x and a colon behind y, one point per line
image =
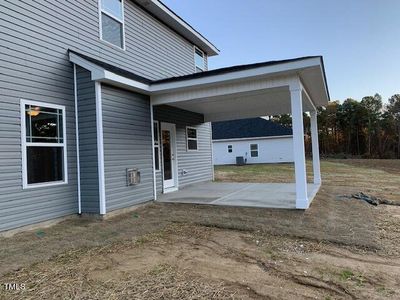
x: 254, y: 150
x: 156, y: 145
x: 44, y: 155
x: 191, y: 137
x: 112, y: 22
x: 229, y: 148
x: 199, y: 60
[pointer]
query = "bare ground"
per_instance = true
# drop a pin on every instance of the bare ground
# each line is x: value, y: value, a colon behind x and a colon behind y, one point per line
x: 338, y: 249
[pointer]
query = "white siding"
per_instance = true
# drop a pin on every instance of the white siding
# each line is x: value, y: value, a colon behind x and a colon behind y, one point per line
x: 270, y: 150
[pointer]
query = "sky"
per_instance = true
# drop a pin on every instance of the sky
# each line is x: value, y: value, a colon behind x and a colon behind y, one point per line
x: 359, y: 39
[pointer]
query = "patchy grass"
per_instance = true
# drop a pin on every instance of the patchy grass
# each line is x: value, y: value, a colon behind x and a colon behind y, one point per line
x: 346, y: 275
x: 338, y: 249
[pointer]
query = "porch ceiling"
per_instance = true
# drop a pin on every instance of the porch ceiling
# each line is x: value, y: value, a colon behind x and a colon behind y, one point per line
x: 273, y: 101
x: 231, y: 93
x: 228, y: 93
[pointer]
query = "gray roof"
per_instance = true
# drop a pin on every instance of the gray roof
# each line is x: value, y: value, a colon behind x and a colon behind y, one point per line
x: 248, y: 128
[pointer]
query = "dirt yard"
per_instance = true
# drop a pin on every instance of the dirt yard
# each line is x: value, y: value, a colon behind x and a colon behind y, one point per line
x: 338, y: 249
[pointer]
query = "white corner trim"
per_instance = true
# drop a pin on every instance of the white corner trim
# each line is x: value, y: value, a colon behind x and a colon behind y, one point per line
x: 153, y: 152
x: 24, y: 144
x: 78, y: 163
x: 202, y: 68
x: 100, y: 148
x: 212, y: 153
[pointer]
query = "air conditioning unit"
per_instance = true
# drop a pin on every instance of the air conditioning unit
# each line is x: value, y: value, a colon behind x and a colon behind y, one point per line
x: 240, y: 161
x: 132, y: 177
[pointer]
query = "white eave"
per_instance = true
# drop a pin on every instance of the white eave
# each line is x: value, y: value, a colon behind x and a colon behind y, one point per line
x: 168, y: 17
x: 261, y: 82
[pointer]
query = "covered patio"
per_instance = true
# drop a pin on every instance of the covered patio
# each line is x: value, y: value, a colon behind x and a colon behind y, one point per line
x: 267, y: 195
x: 294, y: 86
x: 273, y: 88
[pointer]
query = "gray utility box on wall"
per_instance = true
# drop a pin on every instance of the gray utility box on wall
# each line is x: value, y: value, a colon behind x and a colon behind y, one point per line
x: 132, y: 176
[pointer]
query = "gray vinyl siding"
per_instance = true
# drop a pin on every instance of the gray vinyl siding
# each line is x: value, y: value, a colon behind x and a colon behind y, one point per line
x: 18, y: 206
x: 159, y: 182
x: 41, y: 32
x: 127, y: 144
x: 34, y: 39
x: 88, y: 142
x: 197, y: 164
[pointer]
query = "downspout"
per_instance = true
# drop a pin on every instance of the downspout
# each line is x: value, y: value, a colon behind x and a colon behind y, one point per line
x: 78, y: 164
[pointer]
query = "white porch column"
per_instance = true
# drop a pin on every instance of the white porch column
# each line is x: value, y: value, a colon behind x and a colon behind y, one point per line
x: 315, y: 147
x: 298, y: 147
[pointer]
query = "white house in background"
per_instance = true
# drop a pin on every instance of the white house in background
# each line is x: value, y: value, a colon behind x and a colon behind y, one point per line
x: 257, y: 140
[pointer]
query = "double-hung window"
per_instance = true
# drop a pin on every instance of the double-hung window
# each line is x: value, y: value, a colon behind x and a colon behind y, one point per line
x: 254, y: 150
x: 230, y: 148
x: 156, y: 145
x: 199, y: 60
x: 112, y: 22
x: 191, y: 138
x: 44, y: 150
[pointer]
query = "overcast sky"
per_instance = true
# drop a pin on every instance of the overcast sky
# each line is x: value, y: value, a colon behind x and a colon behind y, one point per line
x: 359, y: 39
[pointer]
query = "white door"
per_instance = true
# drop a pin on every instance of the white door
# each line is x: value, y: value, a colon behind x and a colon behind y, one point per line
x: 168, y: 143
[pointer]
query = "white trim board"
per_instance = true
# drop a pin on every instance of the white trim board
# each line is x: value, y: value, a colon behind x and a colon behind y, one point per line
x: 100, y: 149
x: 153, y: 152
x: 285, y: 71
x: 78, y: 161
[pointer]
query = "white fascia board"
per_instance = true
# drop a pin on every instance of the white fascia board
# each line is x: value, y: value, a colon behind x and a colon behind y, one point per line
x: 236, y: 75
x: 96, y: 71
x: 101, y: 75
x: 171, y: 19
x: 253, y: 138
x: 121, y: 80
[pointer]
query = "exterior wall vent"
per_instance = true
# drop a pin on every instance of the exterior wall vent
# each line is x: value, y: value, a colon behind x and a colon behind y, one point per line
x: 132, y: 177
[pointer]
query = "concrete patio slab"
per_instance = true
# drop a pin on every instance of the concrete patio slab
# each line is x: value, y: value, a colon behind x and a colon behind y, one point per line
x: 270, y: 195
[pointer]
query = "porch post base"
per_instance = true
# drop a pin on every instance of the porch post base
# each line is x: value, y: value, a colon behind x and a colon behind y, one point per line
x: 302, y: 203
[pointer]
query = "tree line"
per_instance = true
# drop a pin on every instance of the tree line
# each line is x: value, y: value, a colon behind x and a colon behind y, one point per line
x: 365, y: 128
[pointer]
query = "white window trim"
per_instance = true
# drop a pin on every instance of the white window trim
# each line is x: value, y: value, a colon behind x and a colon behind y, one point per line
x: 116, y: 19
x: 231, y: 148
x: 25, y: 144
x: 157, y: 125
x: 203, y: 68
x: 258, y: 151
x: 193, y: 139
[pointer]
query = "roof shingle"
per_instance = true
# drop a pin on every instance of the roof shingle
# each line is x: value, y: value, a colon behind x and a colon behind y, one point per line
x: 248, y: 128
